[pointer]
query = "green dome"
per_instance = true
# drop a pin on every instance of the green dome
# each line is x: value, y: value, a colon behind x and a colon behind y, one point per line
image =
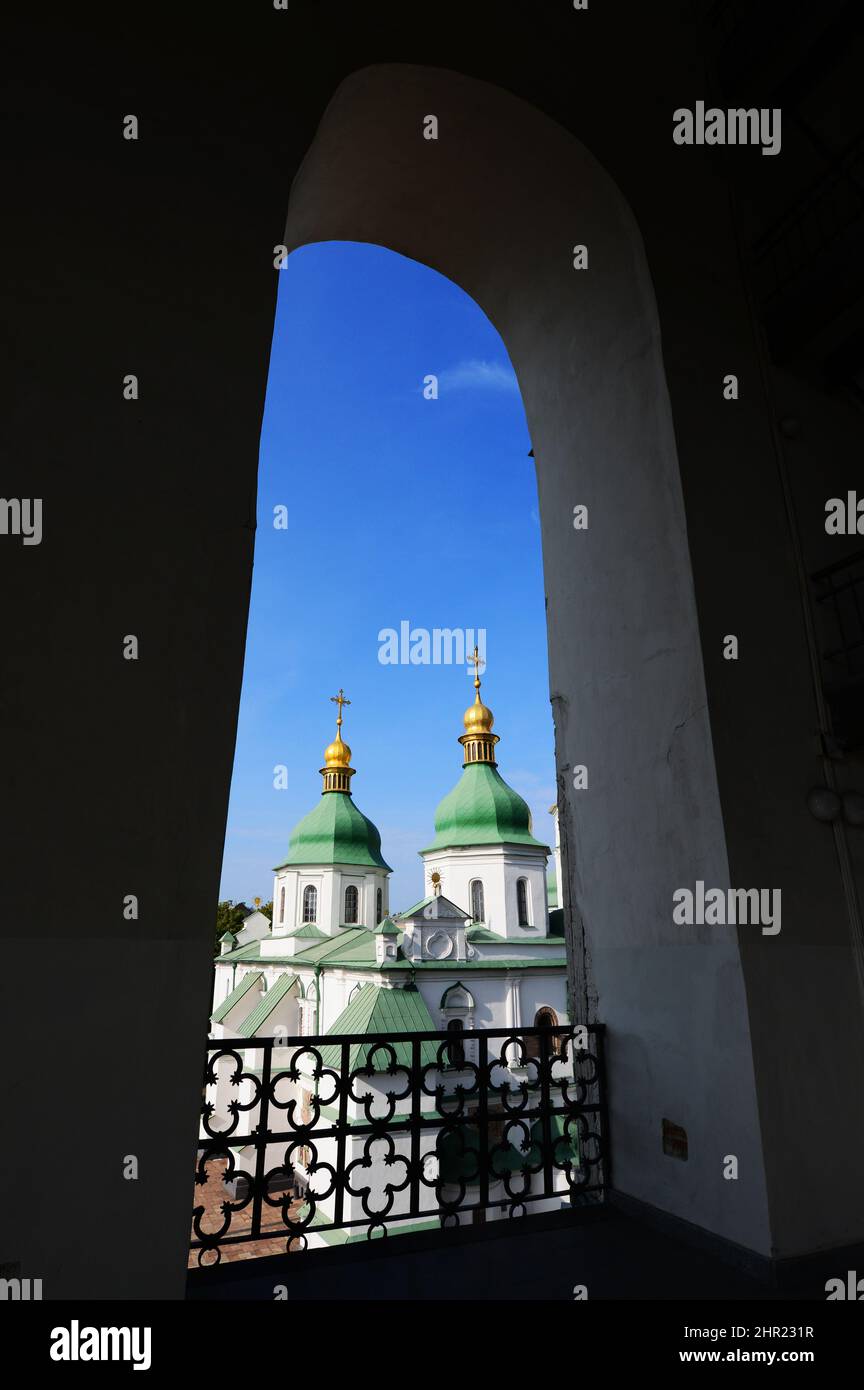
x: 335, y: 833
x: 482, y: 810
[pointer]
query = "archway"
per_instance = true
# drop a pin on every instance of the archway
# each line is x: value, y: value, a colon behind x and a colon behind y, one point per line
x: 499, y: 202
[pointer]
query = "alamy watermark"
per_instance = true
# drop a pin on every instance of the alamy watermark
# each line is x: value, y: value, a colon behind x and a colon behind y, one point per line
x: 727, y: 907
x: 22, y: 516
x: 437, y: 646
x: 77, y: 1343
x: 734, y: 126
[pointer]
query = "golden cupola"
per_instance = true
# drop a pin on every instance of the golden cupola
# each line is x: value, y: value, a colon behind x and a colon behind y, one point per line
x: 337, y: 770
x: 478, y: 741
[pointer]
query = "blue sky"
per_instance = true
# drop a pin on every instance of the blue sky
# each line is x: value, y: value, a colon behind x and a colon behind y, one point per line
x: 399, y: 509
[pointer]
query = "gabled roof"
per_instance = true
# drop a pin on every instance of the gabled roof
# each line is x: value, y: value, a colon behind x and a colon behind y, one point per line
x: 386, y: 928
x: 446, y: 908
x: 236, y: 995
x: 418, y: 907
x: 375, y: 1009
x: 262, y: 1011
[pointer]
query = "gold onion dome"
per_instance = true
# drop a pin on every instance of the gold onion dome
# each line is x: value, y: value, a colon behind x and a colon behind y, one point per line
x: 337, y: 753
x: 478, y: 718
x: 337, y: 770
x: 478, y: 740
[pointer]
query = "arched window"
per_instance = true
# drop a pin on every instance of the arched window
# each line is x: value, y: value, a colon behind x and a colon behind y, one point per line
x: 282, y: 904
x: 522, y: 902
x: 455, y: 1050
x: 379, y: 906
x: 310, y: 903
x: 544, y: 1018
x: 352, y: 903
x: 478, y: 907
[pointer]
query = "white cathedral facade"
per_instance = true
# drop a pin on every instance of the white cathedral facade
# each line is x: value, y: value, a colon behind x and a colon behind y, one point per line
x: 476, y: 951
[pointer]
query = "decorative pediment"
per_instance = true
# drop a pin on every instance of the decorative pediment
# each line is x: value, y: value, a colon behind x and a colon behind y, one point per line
x: 434, y: 930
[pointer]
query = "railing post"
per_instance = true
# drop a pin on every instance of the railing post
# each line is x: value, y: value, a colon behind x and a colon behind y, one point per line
x: 416, y: 1124
x: 261, y: 1139
x: 545, y: 1121
x: 483, y: 1120
x: 344, y: 1085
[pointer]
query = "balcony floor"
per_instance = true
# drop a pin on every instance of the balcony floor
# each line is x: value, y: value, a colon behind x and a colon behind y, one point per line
x: 614, y: 1254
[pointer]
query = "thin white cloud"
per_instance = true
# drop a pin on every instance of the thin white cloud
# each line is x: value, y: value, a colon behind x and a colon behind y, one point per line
x: 477, y: 375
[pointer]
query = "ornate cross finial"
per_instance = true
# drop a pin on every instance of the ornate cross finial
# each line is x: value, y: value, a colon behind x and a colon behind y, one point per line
x: 477, y: 659
x: 340, y: 700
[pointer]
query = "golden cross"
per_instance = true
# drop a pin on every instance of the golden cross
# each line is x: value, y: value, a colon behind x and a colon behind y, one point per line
x: 340, y: 700
x: 476, y: 658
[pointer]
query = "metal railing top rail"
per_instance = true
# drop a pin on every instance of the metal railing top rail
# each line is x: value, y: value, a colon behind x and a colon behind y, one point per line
x: 329, y: 1039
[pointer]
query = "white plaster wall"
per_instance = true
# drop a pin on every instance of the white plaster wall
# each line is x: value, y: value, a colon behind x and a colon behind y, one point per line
x: 498, y: 869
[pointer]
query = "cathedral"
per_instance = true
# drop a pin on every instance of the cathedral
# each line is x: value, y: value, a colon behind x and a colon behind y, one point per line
x: 480, y: 950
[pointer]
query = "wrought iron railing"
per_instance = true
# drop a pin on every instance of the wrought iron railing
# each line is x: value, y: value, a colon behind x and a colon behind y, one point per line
x: 315, y: 1141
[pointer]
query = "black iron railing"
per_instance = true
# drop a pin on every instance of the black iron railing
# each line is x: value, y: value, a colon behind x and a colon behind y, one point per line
x: 315, y: 1141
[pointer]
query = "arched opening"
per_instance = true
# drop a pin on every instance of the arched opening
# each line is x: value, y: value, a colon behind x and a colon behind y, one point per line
x: 352, y: 905
x: 456, y: 1049
x: 478, y: 901
x: 501, y: 218
x: 310, y: 903
x: 545, y: 1017
x: 522, y: 916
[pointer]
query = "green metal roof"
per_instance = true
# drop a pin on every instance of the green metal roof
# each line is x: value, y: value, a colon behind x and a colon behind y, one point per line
x: 377, y: 1010
x: 247, y: 952
x: 362, y: 957
x: 418, y: 907
x: 262, y: 1011
x: 308, y: 929
x: 335, y: 832
x: 236, y: 995
x: 482, y: 810
x: 386, y: 928
x: 318, y: 950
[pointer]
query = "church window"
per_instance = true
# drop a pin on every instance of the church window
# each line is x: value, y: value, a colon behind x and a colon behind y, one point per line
x: 544, y: 1018
x: 310, y: 903
x: 282, y: 904
x: 522, y: 902
x: 478, y: 907
x: 456, y: 1050
x: 379, y: 906
x: 352, y: 903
